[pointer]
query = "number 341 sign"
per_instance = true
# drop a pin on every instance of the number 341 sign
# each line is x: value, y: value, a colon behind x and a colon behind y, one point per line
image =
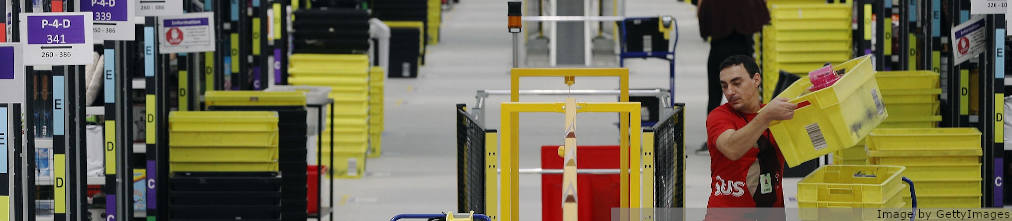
x: 62, y: 38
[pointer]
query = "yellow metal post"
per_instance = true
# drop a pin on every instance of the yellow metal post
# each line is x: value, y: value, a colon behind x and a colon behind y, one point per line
x: 631, y: 191
x: 491, y: 183
x: 570, y: 73
x: 648, y: 168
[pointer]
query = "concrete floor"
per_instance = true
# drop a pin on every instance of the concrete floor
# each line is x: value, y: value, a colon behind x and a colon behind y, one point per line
x: 417, y: 172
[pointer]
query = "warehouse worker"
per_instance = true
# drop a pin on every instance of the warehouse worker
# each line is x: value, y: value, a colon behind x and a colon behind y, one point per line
x: 746, y: 166
x: 729, y: 26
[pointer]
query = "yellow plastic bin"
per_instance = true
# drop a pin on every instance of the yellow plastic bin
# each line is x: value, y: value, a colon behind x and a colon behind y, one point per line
x: 348, y: 164
x: 851, y: 186
x: 851, y: 183
x: 907, y: 79
x: 223, y: 129
x: 947, y: 201
x: 910, y: 95
x: 810, y: 11
x: 264, y: 166
x: 912, y: 108
x: 222, y: 154
x: 832, y: 118
x: 911, y: 122
x: 255, y: 98
x: 924, y: 139
x: 943, y: 171
x: 947, y: 186
x: 934, y: 160
x: 855, y: 155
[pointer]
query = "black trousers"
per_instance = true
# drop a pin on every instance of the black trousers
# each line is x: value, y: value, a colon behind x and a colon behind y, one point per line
x: 734, y: 44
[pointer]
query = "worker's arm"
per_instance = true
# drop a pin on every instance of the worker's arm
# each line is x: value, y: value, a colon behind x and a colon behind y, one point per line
x: 735, y: 143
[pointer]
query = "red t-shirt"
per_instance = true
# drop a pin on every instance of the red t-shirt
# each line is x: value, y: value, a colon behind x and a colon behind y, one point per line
x: 729, y: 178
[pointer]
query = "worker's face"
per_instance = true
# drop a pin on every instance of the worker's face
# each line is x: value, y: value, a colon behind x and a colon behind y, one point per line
x: 740, y: 87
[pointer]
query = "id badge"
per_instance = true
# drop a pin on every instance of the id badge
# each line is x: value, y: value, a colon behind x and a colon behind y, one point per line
x: 765, y: 184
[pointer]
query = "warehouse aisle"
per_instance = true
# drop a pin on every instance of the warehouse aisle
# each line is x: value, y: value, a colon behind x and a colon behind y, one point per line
x: 416, y: 173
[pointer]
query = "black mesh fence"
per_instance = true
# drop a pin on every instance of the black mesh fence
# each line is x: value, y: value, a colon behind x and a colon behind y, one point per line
x: 669, y: 163
x: 470, y: 163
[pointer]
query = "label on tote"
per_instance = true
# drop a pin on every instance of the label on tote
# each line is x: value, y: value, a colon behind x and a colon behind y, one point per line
x: 63, y: 38
x: 189, y: 33
x: 111, y: 19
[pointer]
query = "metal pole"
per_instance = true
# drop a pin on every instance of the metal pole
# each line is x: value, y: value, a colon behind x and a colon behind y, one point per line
x: 516, y: 50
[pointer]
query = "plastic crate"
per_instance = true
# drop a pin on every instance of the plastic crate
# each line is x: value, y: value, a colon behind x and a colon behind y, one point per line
x: 811, y: 46
x: 810, y: 35
x: 862, y: 185
x: 810, y: 11
x: 329, y: 58
x: 266, y: 166
x: 963, y: 201
x: 798, y: 68
x: 255, y: 98
x: 924, y: 139
x: 347, y: 163
x: 223, y: 129
x: 222, y: 154
x: 911, y: 122
x: 943, y: 171
x: 910, y: 95
x: 809, y: 56
x: 907, y: 79
x: 947, y: 186
x: 935, y: 160
x: 913, y: 108
x: 895, y: 199
x: 812, y: 24
x: 832, y: 118
x: 855, y: 155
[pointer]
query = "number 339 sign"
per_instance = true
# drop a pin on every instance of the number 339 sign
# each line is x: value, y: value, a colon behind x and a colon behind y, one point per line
x: 62, y: 38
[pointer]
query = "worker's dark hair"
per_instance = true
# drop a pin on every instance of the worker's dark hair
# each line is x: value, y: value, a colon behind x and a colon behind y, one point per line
x: 747, y: 61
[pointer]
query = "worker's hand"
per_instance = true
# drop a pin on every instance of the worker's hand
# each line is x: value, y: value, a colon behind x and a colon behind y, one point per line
x: 779, y: 109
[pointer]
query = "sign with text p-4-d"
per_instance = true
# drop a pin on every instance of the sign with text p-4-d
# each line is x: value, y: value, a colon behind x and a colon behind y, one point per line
x: 60, y: 38
x: 112, y: 18
x: 188, y: 33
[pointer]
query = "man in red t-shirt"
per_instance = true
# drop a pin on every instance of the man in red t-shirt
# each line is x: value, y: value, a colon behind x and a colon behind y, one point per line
x: 746, y: 166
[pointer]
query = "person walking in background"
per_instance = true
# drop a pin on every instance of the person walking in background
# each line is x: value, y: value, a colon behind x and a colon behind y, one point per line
x: 729, y: 26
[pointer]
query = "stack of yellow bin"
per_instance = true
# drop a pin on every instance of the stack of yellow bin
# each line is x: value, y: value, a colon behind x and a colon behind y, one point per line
x: 434, y: 20
x: 803, y: 37
x: 376, y: 76
x: 852, y: 186
x: 944, y: 163
x: 910, y: 97
x: 223, y: 141
x: 348, y: 77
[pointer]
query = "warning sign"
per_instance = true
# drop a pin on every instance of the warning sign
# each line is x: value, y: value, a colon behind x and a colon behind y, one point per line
x: 174, y: 36
x: 970, y: 40
x: 191, y: 32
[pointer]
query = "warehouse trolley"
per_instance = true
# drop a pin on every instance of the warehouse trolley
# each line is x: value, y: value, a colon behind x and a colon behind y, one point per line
x: 657, y: 183
x: 650, y: 37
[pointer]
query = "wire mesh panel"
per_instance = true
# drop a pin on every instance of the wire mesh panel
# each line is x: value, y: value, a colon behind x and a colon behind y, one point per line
x: 470, y: 163
x: 669, y: 163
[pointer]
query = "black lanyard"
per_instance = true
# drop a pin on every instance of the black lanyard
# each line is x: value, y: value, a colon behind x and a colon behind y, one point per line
x: 769, y: 170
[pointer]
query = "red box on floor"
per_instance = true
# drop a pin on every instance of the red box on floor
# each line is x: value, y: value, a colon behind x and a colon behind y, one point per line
x: 596, y: 193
